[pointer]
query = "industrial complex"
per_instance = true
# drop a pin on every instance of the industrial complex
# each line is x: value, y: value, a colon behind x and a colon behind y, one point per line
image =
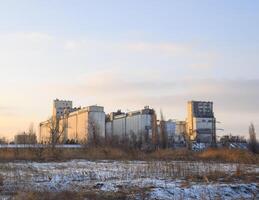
x: 77, y: 124
x: 201, y: 123
x: 80, y: 125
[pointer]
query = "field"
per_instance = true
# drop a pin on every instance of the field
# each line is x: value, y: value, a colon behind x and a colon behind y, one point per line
x: 155, y: 176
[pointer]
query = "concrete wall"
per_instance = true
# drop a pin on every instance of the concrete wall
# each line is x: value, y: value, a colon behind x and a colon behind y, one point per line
x: 80, y: 125
x: 59, y: 106
x: 203, y: 128
x: 44, y: 134
x: 127, y: 124
x: 170, y: 128
x: 200, y: 121
x: 180, y: 127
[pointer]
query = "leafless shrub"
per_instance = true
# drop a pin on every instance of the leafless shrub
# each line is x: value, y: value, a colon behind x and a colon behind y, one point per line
x: 57, y: 129
x: 253, y: 144
x: 163, y: 134
x: 94, y: 134
x: 1, y: 182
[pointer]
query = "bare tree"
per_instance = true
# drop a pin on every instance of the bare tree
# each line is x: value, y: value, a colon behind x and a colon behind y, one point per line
x: 26, y: 137
x: 133, y: 140
x: 253, y: 145
x: 187, y: 139
x: 31, y: 130
x: 57, y: 128
x: 94, y: 131
x: 163, y: 134
x: 155, y: 137
x: 32, y: 134
x: 3, y: 140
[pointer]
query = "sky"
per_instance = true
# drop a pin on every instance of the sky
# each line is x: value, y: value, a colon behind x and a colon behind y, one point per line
x: 129, y: 54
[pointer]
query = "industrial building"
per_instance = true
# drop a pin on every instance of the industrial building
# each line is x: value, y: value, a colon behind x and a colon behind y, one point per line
x: 174, y: 131
x: 25, y: 138
x: 141, y: 123
x: 170, y: 131
x: 180, y: 127
x: 60, y: 107
x: 79, y: 123
x: 201, y: 123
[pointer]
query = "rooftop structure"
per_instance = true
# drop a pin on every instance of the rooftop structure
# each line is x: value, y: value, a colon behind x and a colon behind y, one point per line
x: 61, y: 106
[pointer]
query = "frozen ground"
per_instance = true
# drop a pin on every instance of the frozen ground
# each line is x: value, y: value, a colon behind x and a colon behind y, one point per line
x: 161, y: 180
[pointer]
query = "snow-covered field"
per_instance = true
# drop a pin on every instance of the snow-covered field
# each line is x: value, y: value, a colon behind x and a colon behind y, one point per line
x: 162, y: 180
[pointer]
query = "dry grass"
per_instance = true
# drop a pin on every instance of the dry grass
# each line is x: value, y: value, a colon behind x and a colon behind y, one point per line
x: 60, y: 154
x: 169, y: 154
x: 109, y: 153
x: 92, y: 194
x: 229, y: 155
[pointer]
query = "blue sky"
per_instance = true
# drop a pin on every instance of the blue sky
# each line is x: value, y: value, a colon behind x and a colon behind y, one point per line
x: 126, y: 54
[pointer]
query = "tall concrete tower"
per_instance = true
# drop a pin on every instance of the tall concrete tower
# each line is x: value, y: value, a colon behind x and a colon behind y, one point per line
x: 60, y: 107
x: 201, y: 123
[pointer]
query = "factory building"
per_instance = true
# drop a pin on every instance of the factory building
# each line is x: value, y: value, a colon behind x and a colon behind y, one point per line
x: 180, y: 127
x: 78, y: 124
x: 180, y: 131
x: 25, y: 138
x: 61, y: 106
x: 141, y: 123
x: 170, y: 130
x: 174, y: 131
x: 201, y: 123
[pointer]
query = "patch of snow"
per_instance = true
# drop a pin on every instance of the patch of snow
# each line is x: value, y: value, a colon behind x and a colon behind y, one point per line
x: 165, y: 179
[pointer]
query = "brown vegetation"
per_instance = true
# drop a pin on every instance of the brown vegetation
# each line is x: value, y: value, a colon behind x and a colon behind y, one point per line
x: 90, y: 193
x: 109, y: 153
x: 253, y: 144
x: 229, y: 155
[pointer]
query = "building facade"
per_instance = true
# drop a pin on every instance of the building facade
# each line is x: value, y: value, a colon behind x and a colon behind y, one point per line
x: 25, y: 138
x: 78, y: 124
x: 61, y: 106
x: 201, y: 123
x: 139, y: 123
x: 180, y: 127
x: 170, y: 126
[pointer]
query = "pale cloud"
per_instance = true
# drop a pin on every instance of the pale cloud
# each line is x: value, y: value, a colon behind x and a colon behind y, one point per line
x: 38, y: 67
x: 114, y: 85
x: 71, y: 45
x: 25, y: 40
x: 127, y: 55
x: 168, y: 48
x: 133, y: 47
x: 7, y: 111
x: 41, y: 53
x: 113, y: 90
x: 235, y: 109
x: 36, y: 37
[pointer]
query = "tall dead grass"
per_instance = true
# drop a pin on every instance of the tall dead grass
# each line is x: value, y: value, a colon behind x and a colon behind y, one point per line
x: 110, y: 153
x: 228, y: 155
x: 92, y: 194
